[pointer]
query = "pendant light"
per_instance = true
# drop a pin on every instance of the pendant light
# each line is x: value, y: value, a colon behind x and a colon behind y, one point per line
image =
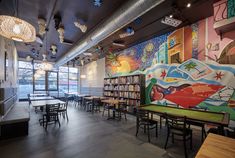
x: 16, y: 29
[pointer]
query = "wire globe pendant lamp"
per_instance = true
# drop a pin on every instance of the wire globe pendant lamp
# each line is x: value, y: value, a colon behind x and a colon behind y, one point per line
x: 16, y: 29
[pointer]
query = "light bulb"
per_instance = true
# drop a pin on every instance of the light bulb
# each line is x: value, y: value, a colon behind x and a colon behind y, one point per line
x: 16, y: 29
x: 188, y: 5
x: 17, y: 39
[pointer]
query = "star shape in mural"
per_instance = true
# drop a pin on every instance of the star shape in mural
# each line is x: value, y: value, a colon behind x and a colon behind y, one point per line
x: 150, y: 75
x: 218, y: 75
x: 163, y: 74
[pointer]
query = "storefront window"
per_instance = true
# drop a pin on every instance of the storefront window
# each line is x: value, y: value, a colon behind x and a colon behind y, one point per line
x: 25, y: 79
x: 55, y: 82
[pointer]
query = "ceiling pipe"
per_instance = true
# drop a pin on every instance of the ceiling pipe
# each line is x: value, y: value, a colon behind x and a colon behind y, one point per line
x: 123, y: 16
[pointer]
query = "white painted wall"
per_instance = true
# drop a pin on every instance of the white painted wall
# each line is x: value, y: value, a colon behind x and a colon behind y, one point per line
x: 95, y: 73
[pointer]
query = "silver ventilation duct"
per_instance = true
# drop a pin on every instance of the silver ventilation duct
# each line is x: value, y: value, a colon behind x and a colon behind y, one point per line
x: 123, y: 16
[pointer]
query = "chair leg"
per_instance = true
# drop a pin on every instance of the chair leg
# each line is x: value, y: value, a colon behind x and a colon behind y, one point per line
x: 46, y: 124
x: 125, y: 114
x: 119, y: 115
x: 58, y: 120
x: 202, y: 134
x: 148, y: 133
x: 137, y: 128
x: 67, y: 115
x: 108, y: 113
x: 156, y: 129
x: 185, y: 150
x: 43, y: 121
x: 160, y: 122
x: 191, y: 141
x: 103, y: 111
x: 168, y: 134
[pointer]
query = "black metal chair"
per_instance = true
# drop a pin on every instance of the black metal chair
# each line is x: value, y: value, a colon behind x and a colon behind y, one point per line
x: 199, y: 124
x: 96, y: 104
x: 230, y: 132
x: 143, y: 121
x: 77, y: 101
x: 63, y: 110
x: 106, y: 107
x: 122, y: 110
x: 177, y: 126
x: 51, y: 115
x: 88, y: 104
x: 162, y: 116
x: 70, y: 98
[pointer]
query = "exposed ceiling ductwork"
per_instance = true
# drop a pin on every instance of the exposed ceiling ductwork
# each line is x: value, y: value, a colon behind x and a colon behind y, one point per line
x: 123, y: 16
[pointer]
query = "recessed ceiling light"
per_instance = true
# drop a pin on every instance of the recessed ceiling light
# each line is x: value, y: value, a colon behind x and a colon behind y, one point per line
x: 87, y: 54
x: 118, y: 44
x: 188, y: 5
x: 171, y: 16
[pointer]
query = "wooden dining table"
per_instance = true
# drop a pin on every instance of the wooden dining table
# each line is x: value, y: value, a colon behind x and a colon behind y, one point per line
x: 216, y: 118
x: 43, y: 103
x: 38, y: 94
x: 41, y: 98
x: 217, y: 146
x: 113, y: 102
x: 71, y: 93
x: 94, y: 97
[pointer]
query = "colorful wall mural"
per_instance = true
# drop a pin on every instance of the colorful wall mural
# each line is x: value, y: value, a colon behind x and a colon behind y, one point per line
x: 192, y: 67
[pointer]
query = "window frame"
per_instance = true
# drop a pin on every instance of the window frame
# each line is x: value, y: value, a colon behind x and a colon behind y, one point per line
x: 46, y: 82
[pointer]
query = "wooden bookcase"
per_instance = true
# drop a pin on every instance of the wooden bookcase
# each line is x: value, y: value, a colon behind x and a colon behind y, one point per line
x: 130, y: 88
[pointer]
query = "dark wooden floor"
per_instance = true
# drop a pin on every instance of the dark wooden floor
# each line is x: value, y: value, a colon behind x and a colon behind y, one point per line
x: 89, y: 135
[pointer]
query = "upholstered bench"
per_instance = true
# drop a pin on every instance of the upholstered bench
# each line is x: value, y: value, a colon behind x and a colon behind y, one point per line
x: 15, y: 122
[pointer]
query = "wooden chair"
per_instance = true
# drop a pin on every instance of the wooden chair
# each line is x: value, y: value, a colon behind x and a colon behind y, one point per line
x: 51, y: 115
x: 143, y: 121
x: 177, y: 126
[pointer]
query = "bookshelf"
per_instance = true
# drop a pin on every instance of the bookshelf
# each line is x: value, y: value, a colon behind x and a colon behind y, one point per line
x: 130, y: 88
